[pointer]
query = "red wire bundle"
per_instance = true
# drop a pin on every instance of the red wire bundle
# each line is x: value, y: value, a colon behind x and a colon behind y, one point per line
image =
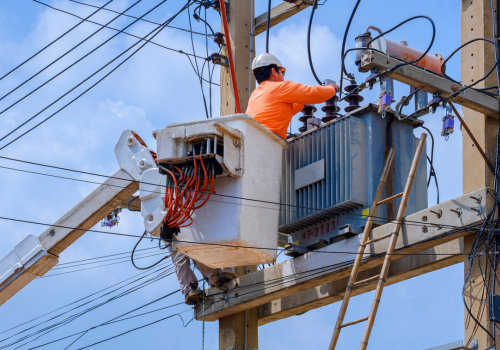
x: 187, y: 191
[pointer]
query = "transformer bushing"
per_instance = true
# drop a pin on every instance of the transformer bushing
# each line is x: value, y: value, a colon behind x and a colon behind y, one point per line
x: 330, y: 108
x: 354, y: 99
x: 307, y: 113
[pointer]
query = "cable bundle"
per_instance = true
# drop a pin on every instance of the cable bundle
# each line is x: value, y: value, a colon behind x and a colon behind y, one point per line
x: 185, y: 189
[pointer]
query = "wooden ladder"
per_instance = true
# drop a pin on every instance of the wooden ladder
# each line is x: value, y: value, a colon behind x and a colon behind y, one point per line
x: 365, y: 241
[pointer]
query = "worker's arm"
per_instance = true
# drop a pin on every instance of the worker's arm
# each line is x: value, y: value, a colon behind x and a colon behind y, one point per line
x: 306, y: 94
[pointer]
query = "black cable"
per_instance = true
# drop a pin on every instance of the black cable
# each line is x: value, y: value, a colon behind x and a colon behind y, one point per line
x: 95, y: 267
x: 63, y: 55
x: 160, y: 274
x: 343, y: 70
x: 157, y: 30
x: 86, y: 297
x: 132, y: 256
x: 309, y: 42
x: 86, y: 262
x: 197, y: 67
x: 306, y: 209
x: 443, y: 66
x: 463, y: 228
x: 52, y: 42
x: 268, y: 24
x: 432, y: 172
x: 142, y: 19
x: 121, y: 31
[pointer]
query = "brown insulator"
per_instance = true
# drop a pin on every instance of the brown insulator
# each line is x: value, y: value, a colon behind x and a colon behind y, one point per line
x: 219, y: 38
x: 330, y: 108
x: 354, y: 99
x: 215, y: 58
x: 307, y: 112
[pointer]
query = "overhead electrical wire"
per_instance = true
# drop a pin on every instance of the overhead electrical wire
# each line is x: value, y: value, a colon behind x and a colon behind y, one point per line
x: 159, y: 274
x: 54, y: 41
x: 309, y: 42
x: 143, y: 19
x: 469, y: 228
x: 157, y: 30
x: 304, y: 209
x: 66, y: 53
x: 86, y: 297
x: 121, y: 31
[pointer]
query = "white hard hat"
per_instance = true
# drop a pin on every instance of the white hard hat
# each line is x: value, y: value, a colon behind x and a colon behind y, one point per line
x: 265, y: 59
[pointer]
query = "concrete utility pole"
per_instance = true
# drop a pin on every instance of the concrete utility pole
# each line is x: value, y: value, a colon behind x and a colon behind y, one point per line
x: 240, y: 330
x: 477, y: 60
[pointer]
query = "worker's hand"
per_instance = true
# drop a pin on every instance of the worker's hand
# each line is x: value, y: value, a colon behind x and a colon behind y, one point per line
x: 329, y: 82
x: 337, y: 88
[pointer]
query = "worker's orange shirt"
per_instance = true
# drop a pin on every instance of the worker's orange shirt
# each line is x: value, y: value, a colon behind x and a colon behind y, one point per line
x: 273, y: 104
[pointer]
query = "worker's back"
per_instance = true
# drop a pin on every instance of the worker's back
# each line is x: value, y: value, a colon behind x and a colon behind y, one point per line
x: 273, y: 104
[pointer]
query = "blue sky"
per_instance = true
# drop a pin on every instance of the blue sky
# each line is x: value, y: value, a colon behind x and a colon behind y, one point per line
x: 157, y: 87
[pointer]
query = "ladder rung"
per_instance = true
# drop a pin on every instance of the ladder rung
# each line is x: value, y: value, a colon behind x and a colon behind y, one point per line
x: 368, y: 280
x: 354, y: 322
x: 378, y: 239
x: 389, y: 199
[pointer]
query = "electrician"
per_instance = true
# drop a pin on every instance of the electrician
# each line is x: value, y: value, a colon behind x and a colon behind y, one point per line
x: 185, y: 275
x: 275, y: 101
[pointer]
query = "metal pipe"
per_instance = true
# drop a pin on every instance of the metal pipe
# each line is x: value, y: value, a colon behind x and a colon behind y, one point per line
x: 374, y: 28
x: 230, y: 56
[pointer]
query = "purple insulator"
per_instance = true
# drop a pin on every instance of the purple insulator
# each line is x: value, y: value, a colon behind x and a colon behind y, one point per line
x: 109, y: 223
x: 448, y: 125
x: 386, y: 100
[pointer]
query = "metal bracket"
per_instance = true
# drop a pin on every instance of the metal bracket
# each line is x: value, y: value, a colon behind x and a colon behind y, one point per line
x: 495, y: 308
x: 295, y: 250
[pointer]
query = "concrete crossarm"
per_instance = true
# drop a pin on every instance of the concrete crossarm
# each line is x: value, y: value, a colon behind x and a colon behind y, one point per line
x: 84, y: 216
x: 430, y: 82
x: 334, y: 262
x: 279, y: 14
x: 402, y: 269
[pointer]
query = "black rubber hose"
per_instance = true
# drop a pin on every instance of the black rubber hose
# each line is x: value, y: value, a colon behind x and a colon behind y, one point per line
x: 268, y: 25
x: 309, y: 43
x: 133, y: 251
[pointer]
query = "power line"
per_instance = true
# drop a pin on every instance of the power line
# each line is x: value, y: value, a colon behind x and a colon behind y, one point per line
x: 95, y: 267
x: 52, y: 42
x: 145, y: 20
x: 162, y: 273
x: 460, y: 229
x: 57, y: 59
x: 147, y: 273
x: 118, y: 30
x: 158, y: 30
x: 345, y: 215
x: 306, y: 209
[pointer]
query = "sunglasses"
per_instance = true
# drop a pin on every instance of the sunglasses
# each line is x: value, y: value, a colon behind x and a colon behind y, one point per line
x: 282, y: 70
